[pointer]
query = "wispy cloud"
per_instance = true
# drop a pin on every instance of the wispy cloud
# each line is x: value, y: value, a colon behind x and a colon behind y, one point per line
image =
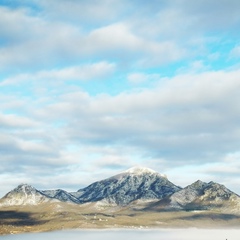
x: 85, y: 72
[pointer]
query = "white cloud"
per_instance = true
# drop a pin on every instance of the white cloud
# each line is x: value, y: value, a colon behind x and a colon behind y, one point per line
x: 115, y: 36
x: 37, y: 43
x: 194, y: 67
x: 235, y: 52
x: 92, y: 11
x: 15, y: 121
x: 55, y: 36
x: 195, y: 112
x: 56, y: 42
x: 11, y: 31
x: 139, y: 77
x: 188, y: 119
x: 121, y: 38
x: 209, y: 15
x: 82, y: 73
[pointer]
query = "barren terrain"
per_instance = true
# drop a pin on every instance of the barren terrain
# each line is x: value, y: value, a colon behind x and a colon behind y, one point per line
x: 49, y: 217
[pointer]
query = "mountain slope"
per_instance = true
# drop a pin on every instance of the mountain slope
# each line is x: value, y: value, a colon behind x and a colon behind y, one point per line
x: 142, y: 187
x: 201, y: 196
x: 61, y: 195
x: 133, y: 184
x: 24, y: 194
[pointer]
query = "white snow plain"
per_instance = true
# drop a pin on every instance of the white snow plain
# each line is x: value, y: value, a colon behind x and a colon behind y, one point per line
x: 149, y: 234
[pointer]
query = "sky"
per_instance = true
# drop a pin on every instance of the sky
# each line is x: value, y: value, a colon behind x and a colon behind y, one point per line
x: 91, y: 88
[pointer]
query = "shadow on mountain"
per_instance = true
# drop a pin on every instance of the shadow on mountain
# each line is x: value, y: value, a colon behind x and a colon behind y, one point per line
x: 16, y: 218
x: 98, y: 214
x: 164, y: 205
x: 161, y: 206
x: 220, y: 216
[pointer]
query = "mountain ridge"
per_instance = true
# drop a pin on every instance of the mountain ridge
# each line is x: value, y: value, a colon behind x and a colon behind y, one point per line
x: 200, y: 196
x: 132, y: 186
x: 24, y: 194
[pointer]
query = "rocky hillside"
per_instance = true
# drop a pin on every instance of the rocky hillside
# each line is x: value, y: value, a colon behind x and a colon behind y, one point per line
x: 131, y: 185
x: 134, y: 184
x: 137, y: 187
x: 201, y: 196
x: 24, y: 194
x: 60, y: 195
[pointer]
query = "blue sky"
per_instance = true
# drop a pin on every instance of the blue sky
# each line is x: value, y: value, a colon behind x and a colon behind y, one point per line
x: 91, y: 88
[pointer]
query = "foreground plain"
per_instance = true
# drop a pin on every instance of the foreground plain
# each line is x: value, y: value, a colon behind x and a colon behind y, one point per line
x: 58, y: 216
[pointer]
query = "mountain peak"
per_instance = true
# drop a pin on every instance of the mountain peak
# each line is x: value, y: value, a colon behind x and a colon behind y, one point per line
x: 138, y: 170
x: 23, y: 194
x: 24, y: 188
x: 137, y: 183
x: 198, y: 184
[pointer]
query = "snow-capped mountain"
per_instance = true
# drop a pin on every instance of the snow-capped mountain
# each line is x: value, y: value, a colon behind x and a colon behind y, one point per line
x: 201, y: 196
x: 133, y: 184
x: 136, y: 183
x: 137, y: 186
x: 24, y: 194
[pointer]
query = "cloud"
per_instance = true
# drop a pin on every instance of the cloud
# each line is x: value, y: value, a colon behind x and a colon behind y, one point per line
x: 37, y: 43
x: 15, y: 121
x: 96, y: 87
x: 186, y: 21
x: 78, y: 73
x: 139, y: 77
x: 50, y: 38
x: 115, y: 36
x: 119, y: 41
x: 195, y: 112
x: 92, y: 12
x: 221, y: 16
x: 188, y: 119
x: 11, y: 31
x: 56, y: 42
x: 235, y: 52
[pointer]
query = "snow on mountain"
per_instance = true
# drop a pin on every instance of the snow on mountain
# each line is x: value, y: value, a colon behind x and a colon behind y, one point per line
x: 137, y: 171
x: 140, y: 170
x: 61, y: 195
x: 188, y: 194
x: 137, y: 185
x: 201, y: 196
x: 24, y: 194
x: 133, y: 184
x: 218, y: 196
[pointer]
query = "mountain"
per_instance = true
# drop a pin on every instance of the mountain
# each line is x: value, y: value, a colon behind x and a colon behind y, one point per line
x: 138, y: 186
x: 201, y: 196
x: 24, y: 194
x: 60, y: 195
x: 136, y: 198
x: 136, y: 183
x: 133, y: 184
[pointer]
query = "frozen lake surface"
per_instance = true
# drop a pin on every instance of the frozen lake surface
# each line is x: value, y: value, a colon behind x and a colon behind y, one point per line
x: 166, y: 234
